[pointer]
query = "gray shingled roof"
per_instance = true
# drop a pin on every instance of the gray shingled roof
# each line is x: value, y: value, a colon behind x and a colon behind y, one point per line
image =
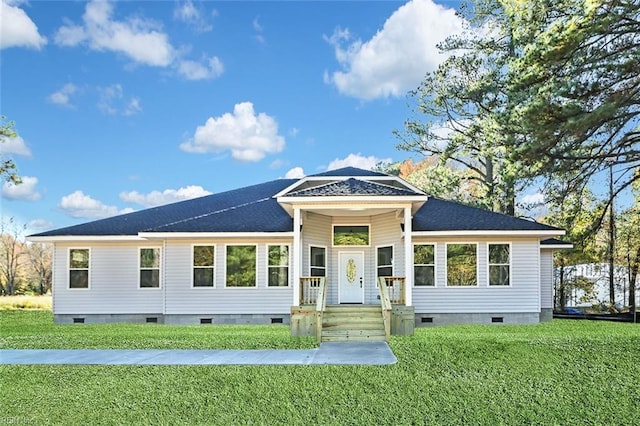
x: 254, y: 209
x: 441, y: 215
x: 352, y: 186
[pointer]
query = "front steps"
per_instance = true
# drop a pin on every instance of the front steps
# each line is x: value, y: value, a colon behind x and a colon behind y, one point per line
x: 353, y: 323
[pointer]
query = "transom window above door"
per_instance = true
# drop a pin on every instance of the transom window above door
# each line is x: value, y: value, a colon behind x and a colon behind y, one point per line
x: 351, y: 235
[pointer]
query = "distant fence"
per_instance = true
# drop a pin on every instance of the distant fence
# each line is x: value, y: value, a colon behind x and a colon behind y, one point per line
x: 627, y: 317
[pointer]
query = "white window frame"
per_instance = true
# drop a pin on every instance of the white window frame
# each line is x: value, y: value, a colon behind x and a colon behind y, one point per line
x: 333, y: 233
x: 446, y: 266
x: 193, y: 267
x: 225, y: 265
x: 326, y: 259
x: 69, y: 269
x: 435, y: 264
x: 393, y: 253
x: 268, y: 267
x: 500, y: 264
x: 160, y: 255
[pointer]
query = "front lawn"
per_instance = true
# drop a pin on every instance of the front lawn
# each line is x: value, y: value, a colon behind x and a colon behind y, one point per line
x: 563, y: 372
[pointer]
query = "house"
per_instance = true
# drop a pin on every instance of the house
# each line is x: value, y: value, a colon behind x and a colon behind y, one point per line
x: 598, y: 275
x: 345, y: 254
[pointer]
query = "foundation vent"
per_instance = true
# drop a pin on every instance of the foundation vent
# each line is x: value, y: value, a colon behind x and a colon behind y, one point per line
x: 276, y: 320
x: 78, y: 320
x: 497, y: 319
x: 206, y: 320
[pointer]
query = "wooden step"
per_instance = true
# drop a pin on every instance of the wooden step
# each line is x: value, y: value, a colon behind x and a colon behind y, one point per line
x: 343, y: 323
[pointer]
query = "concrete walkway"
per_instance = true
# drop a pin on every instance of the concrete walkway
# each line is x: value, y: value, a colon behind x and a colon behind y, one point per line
x: 343, y: 353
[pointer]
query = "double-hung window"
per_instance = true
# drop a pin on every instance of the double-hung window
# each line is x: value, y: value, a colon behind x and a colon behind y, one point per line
x: 424, y: 265
x: 241, y: 266
x: 385, y: 261
x: 499, y: 264
x: 318, y: 261
x: 278, y: 267
x: 79, y: 268
x: 149, y: 268
x: 203, y: 266
x: 462, y: 265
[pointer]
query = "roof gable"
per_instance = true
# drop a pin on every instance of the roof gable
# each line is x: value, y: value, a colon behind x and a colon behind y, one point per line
x: 352, y: 187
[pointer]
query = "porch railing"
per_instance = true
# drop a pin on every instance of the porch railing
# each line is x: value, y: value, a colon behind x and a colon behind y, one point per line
x: 386, y: 306
x: 396, y: 288
x: 321, y: 302
x: 309, y: 288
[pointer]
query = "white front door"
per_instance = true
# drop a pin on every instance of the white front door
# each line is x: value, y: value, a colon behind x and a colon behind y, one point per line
x: 351, y: 280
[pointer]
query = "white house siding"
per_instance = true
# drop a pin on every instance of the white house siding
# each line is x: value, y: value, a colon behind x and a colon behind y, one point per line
x: 546, y: 279
x: 181, y: 298
x: 113, y: 281
x: 523, y: 296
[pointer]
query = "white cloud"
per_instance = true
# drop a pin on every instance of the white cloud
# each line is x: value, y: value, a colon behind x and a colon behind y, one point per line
x: 249, y: 136
x: 61, y: 97
x: 398, y: 56
x: 112, y: 101
x: 39, y: 224
x: 157, y: 198
x: 137, y: 38
x: 25, y: 191
x: 79, y: 205
x: 17, y: 29
x: 15, y: 145
x: 141, y: 40
x: 192, y: 70
x: 188, y: 13
x: 357, y: 160
x: 295, y: 173
x: 259, y: 29
x: 535, y: 199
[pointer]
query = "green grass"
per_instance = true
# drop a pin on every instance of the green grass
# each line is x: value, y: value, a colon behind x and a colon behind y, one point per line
x: 563, y: 372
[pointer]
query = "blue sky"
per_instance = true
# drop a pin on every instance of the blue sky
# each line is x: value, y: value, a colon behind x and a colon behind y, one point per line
x: 126, y: 105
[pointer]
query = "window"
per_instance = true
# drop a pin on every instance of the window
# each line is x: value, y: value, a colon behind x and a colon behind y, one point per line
x: 351, y: 235
x: 462, y: 265
x: 149, y: 267
x: 385, y: 261
x: 278, y: 267
x: 203, y: 266
x: 79, y: 268
x: 318, y: 261
x: 241, y: 266
x: 499, y: 264
x: 424, y: 264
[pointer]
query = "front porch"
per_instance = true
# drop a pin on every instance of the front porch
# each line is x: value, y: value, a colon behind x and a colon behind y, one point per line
x: 352, y: 322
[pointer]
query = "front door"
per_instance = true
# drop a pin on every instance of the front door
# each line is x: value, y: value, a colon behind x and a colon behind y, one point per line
x: 351, y: 281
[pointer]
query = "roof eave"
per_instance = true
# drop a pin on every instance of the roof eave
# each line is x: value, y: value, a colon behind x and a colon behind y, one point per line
x: 495, y: 232
x: 199, y: 235
x: 349, y: 199
x: 82, y: 238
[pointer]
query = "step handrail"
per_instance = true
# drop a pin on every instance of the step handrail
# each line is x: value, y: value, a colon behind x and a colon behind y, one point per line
x: 321, y: 303
x: 385, y: 303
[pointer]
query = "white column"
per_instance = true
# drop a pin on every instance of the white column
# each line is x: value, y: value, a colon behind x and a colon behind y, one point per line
x: 297, y: 251
x: 408, y: 257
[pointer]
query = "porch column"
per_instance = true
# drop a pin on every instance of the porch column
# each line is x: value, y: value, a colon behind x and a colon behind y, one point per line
x: 408, y: 257
x: 297, y: 250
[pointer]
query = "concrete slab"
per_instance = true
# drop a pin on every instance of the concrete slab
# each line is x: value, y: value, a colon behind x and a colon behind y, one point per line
x: 342, y: 353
